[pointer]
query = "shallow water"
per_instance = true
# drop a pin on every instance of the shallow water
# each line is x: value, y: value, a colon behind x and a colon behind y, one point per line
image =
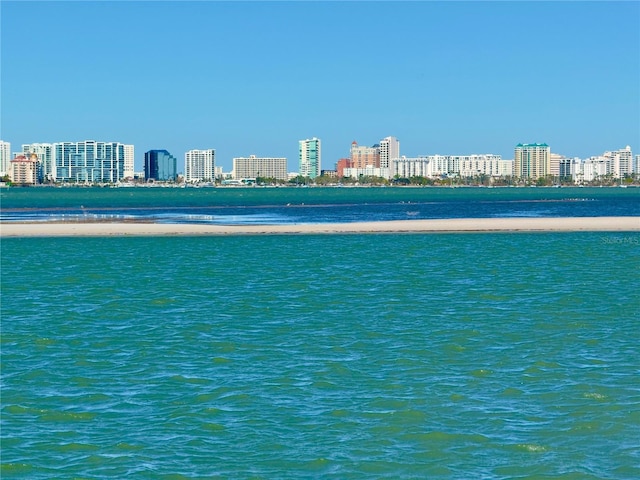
x: 309, y: 205
x: 356, y: 356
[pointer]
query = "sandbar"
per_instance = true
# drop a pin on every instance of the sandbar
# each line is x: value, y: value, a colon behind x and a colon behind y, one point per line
x: 518, y: 224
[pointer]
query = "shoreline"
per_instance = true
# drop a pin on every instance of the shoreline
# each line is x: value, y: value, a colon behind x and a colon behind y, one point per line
x: 452, y: 225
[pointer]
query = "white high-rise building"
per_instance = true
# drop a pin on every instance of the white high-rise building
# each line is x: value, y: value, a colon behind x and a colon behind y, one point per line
x: 128, y: 161
x: 200, y: 165
x: 88, y: 161
x: 620, y: 162
x: 389, y: 150
x: 45, y: 153
x: 593, y: 168
x: 5, y: 157
x: 309, y: 157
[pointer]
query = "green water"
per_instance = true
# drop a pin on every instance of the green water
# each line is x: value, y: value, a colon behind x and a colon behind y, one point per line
x: 198, y: 197
x: 347, y: 357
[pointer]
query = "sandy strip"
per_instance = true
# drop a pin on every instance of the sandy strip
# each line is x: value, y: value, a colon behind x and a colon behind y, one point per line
x: 99, y: 229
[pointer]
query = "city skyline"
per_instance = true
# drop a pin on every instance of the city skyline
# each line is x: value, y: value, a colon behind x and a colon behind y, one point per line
x: 379, y: 155
x: 445, y: 78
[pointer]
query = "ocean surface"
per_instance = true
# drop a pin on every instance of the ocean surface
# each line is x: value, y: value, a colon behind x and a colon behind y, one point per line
x: 457, y: 356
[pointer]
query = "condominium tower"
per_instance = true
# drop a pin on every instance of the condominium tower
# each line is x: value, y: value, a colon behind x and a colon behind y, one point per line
x: 620, y: 162
x: 5, y: 157
x: 45, y: 153
x: 363, y: 157
x: 254, y: 167
x: 90, y: 161
x: 160, y: 165
x: 389, y: 150
x: 309, y: 155
x: 128, y: 161
x: 200, y: 165
x: 532, y: 160
x: 24, y: 170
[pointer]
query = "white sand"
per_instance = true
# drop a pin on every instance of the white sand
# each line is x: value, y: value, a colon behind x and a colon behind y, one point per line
x: 592, y: 224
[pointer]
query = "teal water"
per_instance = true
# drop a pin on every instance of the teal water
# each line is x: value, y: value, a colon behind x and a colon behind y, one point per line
x: 347, y: 357
x: 308, y: 205
x: 162, y: 198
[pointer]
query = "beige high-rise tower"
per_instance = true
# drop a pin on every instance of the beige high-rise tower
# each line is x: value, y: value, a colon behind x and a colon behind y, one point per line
x: 532, y: 160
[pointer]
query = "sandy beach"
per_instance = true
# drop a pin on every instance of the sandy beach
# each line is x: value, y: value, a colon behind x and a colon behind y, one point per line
x: 593, y: 224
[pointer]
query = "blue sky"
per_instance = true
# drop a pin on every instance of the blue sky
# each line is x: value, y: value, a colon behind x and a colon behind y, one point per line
x: 256, y: 77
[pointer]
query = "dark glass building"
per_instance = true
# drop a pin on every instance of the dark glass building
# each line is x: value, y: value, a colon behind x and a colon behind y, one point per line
x: 160, y: 165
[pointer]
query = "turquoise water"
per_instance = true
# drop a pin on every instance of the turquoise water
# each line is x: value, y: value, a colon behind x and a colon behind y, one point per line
x: 347, y: 357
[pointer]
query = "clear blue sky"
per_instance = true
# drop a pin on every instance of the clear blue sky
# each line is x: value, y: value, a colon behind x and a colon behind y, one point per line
x: 256, y: 77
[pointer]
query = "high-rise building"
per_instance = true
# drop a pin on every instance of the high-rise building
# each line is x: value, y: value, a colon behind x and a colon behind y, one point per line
x: 45, y: 153
x: 389, y: 150
x: 160, y: 165
x: 620, y: 162
x: 128, y: 161
x: 532, y: 160
x: 310, y: 157
x: 254, y: 167
x: 24, y: 169
x: 363, y: 157
x: 89, y: 161
x: 200, y: 165
x: 5, y: 157
x: 565, y: 168
x: 554, y: 164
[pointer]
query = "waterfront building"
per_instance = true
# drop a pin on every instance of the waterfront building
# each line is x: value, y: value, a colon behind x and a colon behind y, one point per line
x: 593, y: 168
x: 128, y: 161
x: 363, y: 157
x: 45, y: 153
x: 160, y: 165
x: 89, y: 161
x: 389, y: 150
x: 309, y: 157
x: 636, y: 165
x: 404, y: 167
x: 368, y: 171
x: 265, y: 167
x: 554, y: 164
x: 619, y: 162
x: 25, y: 169
x: 341, y: 165
x: 565, y: 168
x: 532, y: 160
x: 5, y: 157
x: 489, y: 165
x: 200, y: 165
x: 466, y: 166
